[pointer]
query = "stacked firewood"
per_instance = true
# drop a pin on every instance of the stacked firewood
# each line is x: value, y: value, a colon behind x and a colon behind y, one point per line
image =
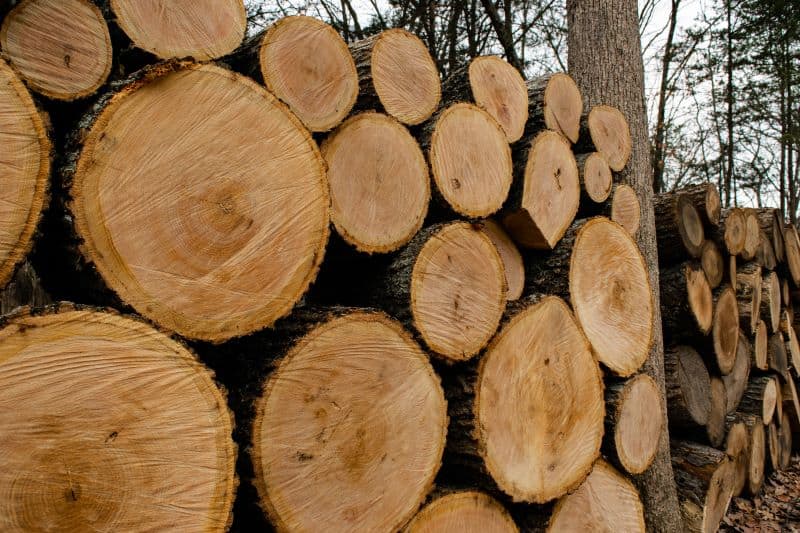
x: 731, y: 371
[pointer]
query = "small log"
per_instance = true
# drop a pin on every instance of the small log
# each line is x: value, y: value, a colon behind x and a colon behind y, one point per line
x: 715, y: 429
x: 776, y: 354
x: 605, y: 129
x: 397, y: 74
x: 765, y: 254
x: 771, y: 300
x: 793, y: 347
x: 736, y: 381
x: 555, y: 103
x: 625, y: 209
x: 769, y: 220
x: 785, y: 439
x: 748, y: 294
x: 705, y: 479
x: 712, y: 263
x: 512, y: 259
x: 463, y: 511
x: 734, y: 223
x: 677, y: 220
x: 595, y: 177
x: 606, y: 501
x: 725, y: 329
x: 774, y: 445
x: 756, y: 451
x: 688, y: 388
x: 732, y: 271
x: 633, y: 423
x: 705, y: 197
x: 687, y: 303
x: 792, y: 251
x: 736, y: 447
x: 760, y: 398
x: 760, y: 347
x: 791, y: 402
x: 379, y: 184
x: 752, y: 238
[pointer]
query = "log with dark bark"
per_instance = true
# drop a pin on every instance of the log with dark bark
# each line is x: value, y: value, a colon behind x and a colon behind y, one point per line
x: 625, y: 209
x: 209, y: 253
x: 513, y: 265
x: 544, y: 197
x: 355, y: 405
x: 633, y: 423
x: 114, y: 426
x: 605, y: 129
x: 555, y: 103
x: 688, y: 387
x: 736, y: 381
x: 760, y: 397
x: 705, y: 197
x: 379, y: 183
x: 748, y: 295
x: 72, y: 56
x: 734, y: 225
x: 686, y: 300
x: 678, y: 221
x: 449, y: 284
x: 713, y: 264
x: 397, y: 75
x: 595, y: 177
x: 469, y: 185
x: 465, y: 511
x: 25, y: 160
x: 495, y: 86
x: 705, y: 479
x: 529, y: 418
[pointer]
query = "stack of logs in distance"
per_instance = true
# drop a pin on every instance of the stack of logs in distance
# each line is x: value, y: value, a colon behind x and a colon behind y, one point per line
x: 732, y: 354
x: 313, y: 285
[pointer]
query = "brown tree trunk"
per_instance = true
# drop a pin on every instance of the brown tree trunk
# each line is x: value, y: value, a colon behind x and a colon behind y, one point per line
x: 604, y: 34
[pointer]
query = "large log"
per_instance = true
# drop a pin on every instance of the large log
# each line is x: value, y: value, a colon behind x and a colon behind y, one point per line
x: 109, y: 424
x: 687, y: 301
x: 705, y: 479
x: 677, y: 221
x: 555, y: 103
x: 354, y: 405
x: 605, y: 129
x: 544, y: 197
x: 379, y: 184
x: 688, y: 388
x: 606, y: 501
x: 529, y: 418
x: 25, y: 160
x: 71, y: 58
x: 633, y: 423
x: 227, y: 244
x: 397, y: 75
x: 736, y: 381
x: 462, y: 512
x: 201, y: 29
x: 595, y: 177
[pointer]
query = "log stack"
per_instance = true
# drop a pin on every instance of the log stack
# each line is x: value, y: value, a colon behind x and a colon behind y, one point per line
x: 296, y: 230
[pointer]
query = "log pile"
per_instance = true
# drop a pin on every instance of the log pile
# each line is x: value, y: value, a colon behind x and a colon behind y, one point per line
x: 421, y: 300
x: 730, y: 324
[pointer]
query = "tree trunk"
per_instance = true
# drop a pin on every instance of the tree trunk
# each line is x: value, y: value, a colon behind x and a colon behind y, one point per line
x: 604, y: 34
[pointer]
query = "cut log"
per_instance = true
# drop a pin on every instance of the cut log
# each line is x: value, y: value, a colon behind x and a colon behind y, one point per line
x: 748, y: 295
x: 732, y: 271
x: 356, y: 406
x: 752, y: 236
x: 677, y: 220
x: 712, y: 263
x: 625, y: 209
x: 706, y: 199
x: 532, y: 418
x: 736, y: 447
x: 606, y: 501
x: 688, y: 388
x: 785, y: 439
x: 201, y: 29
x: 306, y: 64
x: 209, y: 253
x: 760, y: 347
x: 605, y: 129
x: 687, y: 304
x: 756, y: 450
x: 774, y: 445
x: 791, y: 398
x: 513, y: 265
x: 725, y: 330
x: 771, y: 300
x: 109, y: 424
x: 379, y: 182
x: 736, y: 381
x: 544, y: 198
x: 397, y: 74
x: 633, y: 423
x: 765, y: 254
x: 61, y: 48
x: 555, y: 103
x: 793, y: 347
x: 769, y: 220
x: 472, y: 186
x: 705, y: 479
x: 495, y: 86
x: 715, y: 429
x: 449, y: 282
x: 734, y: 223
x: 595, y: 177
x: 760, y: 398
x: 25, y: 160
x: 792, y: 251
x: 777, y: 356
x: 463, y: 512
x: 616, y: 315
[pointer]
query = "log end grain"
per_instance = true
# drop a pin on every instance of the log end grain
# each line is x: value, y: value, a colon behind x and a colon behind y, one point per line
x: 638, y: 424
x: 463, y: 512
x: 735, y: 231
x: 760, y: 343
x: 513, y: 264
x: 736, y: 446
x: 595, y: 176
x: 715, y: 428
x: 757, y: 456
x: 500, y: 89
x: 611, y: 135
x: 792, y: 251
x: 563, y: 106
x: 625, y: 208
x: 712, y: 263
x: 725, y: 330
x: 700, y: 298
x: 736, y: 380
x: 689, y: 384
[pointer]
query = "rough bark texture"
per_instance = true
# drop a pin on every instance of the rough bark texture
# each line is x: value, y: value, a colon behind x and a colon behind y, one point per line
x: 23, y: 289
x: 604, y: 34
x: 688, y: 387
x: 679, y: 320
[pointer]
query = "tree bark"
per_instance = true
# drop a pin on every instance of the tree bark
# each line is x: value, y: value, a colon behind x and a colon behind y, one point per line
x: 604, y: 34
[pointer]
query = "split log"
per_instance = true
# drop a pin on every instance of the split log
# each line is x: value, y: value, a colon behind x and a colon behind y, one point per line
x: 752, y: 236
x: 304, y: 62
x: 769, y: 220
x: 71, y: 57
x: 529, y: 418
x: 471, y: 186
x: 748, y: 295
x: 449, y: 284
x: 379, y: 182
x: 544, y: 197
x: 706, y: 199
x: 114, y: 426
x: 209, y: 253
x: 791, y: 243
x: 555, y: 103
x: 771, y: 300
x: 734, y: 223
x: 760, y: 347
x: 736, y: 447
x: 633, y: 423
x: 736, y: 381
x: 513, y: 265
x: 356, y: 406
x: 688, y: 388
x: 605, y: 129
x: 760, y: 398
x: 705, y: 479
x: 712, y: 263
x: 625, y: 209
x: 756, y: 450
x: 495, y: 86
x: 463, y: 512
x: 606, y: 501
x: 677, y: 220
x: 776, y: 352
x: 765, y: 254
x: 397, y: 75
x: 595, y: 177
x: 687, y: 303
x: 25, y: 160
x: 201, y: 29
